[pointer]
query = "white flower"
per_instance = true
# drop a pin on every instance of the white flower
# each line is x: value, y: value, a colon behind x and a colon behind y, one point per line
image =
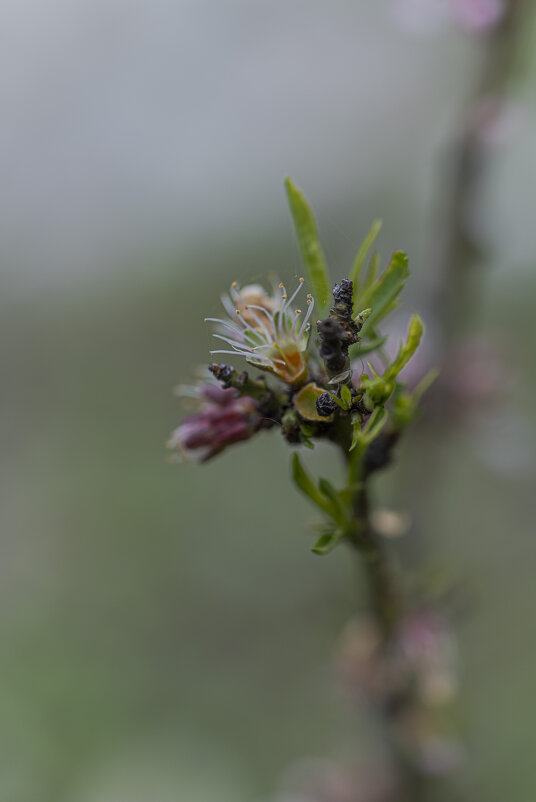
x: 267, y: 330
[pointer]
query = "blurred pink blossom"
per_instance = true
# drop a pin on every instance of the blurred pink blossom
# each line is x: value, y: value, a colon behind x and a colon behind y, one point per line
x: 477, y: 16
x: 222, y: 420
x: 429, y: 16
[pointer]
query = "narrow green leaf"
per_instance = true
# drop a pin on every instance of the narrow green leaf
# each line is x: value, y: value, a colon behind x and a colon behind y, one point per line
x: 385, y: 291
x: 338, y: 508
x: 356, y: 433
x: 310, y: 248
x: 324, y: 496
x: 374, y: 425
x: 346, y: 396
x: 307, y: 486
x: 337, y: 401
x: 424, y: 384
x: 359, y: 261
x: 364, y: 436
x: 407, y: 349
x: 362, y: 316
x: 364, y: 347
x: 327, y: 542
x: 372, y: 273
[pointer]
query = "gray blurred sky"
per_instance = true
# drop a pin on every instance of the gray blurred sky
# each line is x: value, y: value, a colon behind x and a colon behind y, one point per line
x: 130, y: 126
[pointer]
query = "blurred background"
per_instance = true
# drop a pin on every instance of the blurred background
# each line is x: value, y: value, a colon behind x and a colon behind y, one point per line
x: 166, y: 633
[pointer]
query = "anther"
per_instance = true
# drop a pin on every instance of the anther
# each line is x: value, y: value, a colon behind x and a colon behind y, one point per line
x: 298, y: 311
x: 234, y: 284
x: 284, y: 297
x: 281, y: 286
x: 302, y: 280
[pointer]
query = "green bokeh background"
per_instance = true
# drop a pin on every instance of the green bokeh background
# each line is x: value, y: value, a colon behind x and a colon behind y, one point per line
x: 166, y: 633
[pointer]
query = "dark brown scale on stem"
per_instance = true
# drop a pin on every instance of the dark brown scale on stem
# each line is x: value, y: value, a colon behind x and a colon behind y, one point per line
x: 333, y: 347
x: 326, y: 405
x: 342, y: 295
x: 338, y: 331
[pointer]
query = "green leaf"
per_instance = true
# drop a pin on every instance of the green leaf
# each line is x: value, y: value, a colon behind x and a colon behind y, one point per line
x: 364, y: 436
x: 407, y: 349
x: 359, y: 261
x: 372, y: 273
x: 374, y: 425
x: 356, y: 434
x: 327, y: 542
x: 346, y: 396
x: 362, y: 316
x: 311, y: 251
x: 338, y: 508
x: 307, y: 486
x: 382, y: 296
x: 406, y: 405
x: 425, y: 384
x: 337, y: 400
x: 364, y: 347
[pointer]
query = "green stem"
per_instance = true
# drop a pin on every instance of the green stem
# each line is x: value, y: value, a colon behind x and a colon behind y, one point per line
x: 385, y: 598
x: 388, y: 607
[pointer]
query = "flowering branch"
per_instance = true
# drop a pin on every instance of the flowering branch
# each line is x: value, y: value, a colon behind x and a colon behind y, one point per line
x: 308, y: 387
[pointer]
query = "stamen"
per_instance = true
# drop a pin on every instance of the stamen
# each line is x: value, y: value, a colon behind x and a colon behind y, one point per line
x: 311, y: 303
x: 228, y: 325
x: 229, y: 308
x: 234, y: 343
x: 296, y: 291
x: 247, y: 354
x: 236, y: 296
x: 257, y: 319
x: 226, y: 351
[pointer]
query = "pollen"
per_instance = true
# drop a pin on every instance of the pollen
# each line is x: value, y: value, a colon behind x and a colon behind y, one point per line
x: 281, y: 286
x: 302, y: 280
x: 234, y: 284
x: 284, y: 297
x: 237, y: 311
x: 309, y: 300
x: 298, y: 311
